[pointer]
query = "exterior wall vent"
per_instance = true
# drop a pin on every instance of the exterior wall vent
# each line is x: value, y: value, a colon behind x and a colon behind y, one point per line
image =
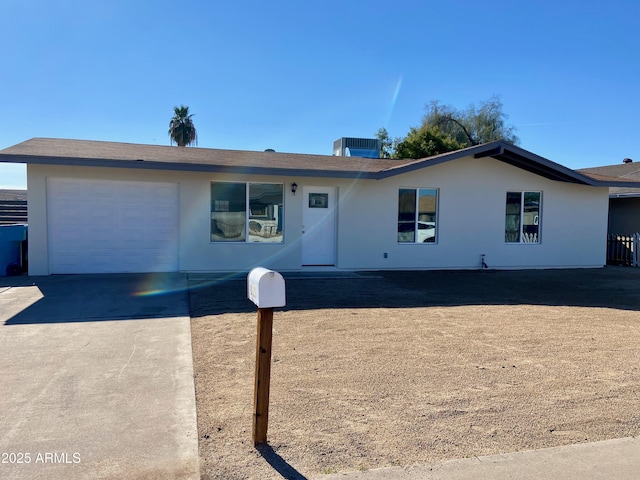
x: 357, y: 147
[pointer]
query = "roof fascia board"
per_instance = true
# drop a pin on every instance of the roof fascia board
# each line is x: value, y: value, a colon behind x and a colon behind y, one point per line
x: 545, y: 169
x: 624, y: 195
x: 505, y: 152
x: 621, y: 183
x: 430, y: 161
x: 500, y: 150
x: 186, y: 167
x: 536, y: 164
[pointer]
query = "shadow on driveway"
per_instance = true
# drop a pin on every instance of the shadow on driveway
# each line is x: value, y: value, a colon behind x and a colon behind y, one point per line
x: 82, y: 298
x: 609, y: 287
x: 114, y: 398
x: 89, y: 298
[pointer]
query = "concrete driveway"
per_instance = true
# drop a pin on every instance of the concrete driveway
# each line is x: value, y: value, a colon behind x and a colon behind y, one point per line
x: 96, y: 378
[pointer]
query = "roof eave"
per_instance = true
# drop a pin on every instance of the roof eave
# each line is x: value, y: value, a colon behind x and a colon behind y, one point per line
x: 436, y: 160
x: 624, y: 195
x: 499, y: 150
x: 178, y: 166
x: 520, y: 158
x: 504, y: 152
x: 614, y: 183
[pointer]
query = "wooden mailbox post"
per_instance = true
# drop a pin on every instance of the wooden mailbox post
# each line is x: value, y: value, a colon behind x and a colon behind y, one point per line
x: 266, y: 289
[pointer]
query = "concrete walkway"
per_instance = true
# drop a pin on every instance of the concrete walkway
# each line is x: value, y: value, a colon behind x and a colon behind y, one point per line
x: 612, y: 459
x: 96, y: 378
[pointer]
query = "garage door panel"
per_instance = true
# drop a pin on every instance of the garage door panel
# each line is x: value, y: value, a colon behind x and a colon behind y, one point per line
x: 162, y: 214
x: 101, y: 242
x: 108, y: 227
x: 69, y: 261
x: 103, y: 213
x: 102, y: 261
x: 131, y: 191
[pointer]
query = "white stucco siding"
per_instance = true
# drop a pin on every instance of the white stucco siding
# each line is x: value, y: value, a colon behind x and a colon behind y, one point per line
x: 196, y: 252
x: 471, y: 218
x: 38, y: 249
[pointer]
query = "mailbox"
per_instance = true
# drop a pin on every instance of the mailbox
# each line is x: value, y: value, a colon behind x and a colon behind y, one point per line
x: 265, y: 288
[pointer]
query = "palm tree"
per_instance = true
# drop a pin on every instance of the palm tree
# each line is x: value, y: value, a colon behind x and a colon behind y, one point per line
x: 181, y: 128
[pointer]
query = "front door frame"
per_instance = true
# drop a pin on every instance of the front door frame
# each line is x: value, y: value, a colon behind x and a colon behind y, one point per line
x: 319, y: 230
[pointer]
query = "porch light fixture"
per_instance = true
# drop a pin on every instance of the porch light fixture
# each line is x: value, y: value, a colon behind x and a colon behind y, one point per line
x: 294, y: 187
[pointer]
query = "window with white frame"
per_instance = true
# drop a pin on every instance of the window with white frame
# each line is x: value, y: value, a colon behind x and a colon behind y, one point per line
x: 247, y: 212
x: 417, y: 215
x: 522, y: 218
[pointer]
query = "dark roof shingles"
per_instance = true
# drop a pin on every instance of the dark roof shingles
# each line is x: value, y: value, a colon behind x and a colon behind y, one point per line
x: 127, y: 152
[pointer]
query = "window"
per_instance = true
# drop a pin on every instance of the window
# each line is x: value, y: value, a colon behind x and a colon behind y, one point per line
x: 417, y: 209
x: 228, y: 212
x: 243, y: 212
x: 318, y: 200
x: 522, y: 219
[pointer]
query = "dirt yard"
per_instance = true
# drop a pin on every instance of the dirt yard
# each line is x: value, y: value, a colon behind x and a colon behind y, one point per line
x: 398, y: 368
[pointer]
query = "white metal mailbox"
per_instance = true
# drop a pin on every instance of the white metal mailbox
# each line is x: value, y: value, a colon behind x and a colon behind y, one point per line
x: 265, y: 288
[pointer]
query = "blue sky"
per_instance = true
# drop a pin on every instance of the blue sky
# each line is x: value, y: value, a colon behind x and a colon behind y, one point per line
x: 295, y: 76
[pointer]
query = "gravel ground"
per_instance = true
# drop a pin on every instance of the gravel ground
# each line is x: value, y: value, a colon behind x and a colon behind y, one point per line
x: 398, y: 368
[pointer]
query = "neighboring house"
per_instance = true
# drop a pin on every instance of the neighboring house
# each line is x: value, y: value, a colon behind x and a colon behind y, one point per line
x: 13, y: 207
x: 13, y: 194
x: 624, y: 202
x: 115, y: 207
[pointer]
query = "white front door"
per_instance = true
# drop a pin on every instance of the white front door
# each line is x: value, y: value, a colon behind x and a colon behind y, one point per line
x: 319, y: 225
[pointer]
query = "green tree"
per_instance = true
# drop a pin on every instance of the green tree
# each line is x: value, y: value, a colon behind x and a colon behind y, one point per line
x: 425, y: 141
x: 445, y: 129
x: 387, y: 145
x: 181, y: 128
x: 472, y: 126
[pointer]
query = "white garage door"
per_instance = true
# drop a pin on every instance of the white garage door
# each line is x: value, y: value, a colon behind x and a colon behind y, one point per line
x: 99, y: 226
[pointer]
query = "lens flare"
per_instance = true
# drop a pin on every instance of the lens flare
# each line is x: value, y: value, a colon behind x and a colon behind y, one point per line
x: 394, y: 99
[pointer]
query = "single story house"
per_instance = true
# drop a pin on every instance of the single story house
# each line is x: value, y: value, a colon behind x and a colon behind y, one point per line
x: 116, y: 207
x: 624, y: 201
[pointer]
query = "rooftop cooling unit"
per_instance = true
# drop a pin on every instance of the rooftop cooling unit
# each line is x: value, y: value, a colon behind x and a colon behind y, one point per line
x: 357, y: 147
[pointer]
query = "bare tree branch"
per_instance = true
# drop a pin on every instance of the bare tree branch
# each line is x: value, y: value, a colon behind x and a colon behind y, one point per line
x: 467, y: 134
